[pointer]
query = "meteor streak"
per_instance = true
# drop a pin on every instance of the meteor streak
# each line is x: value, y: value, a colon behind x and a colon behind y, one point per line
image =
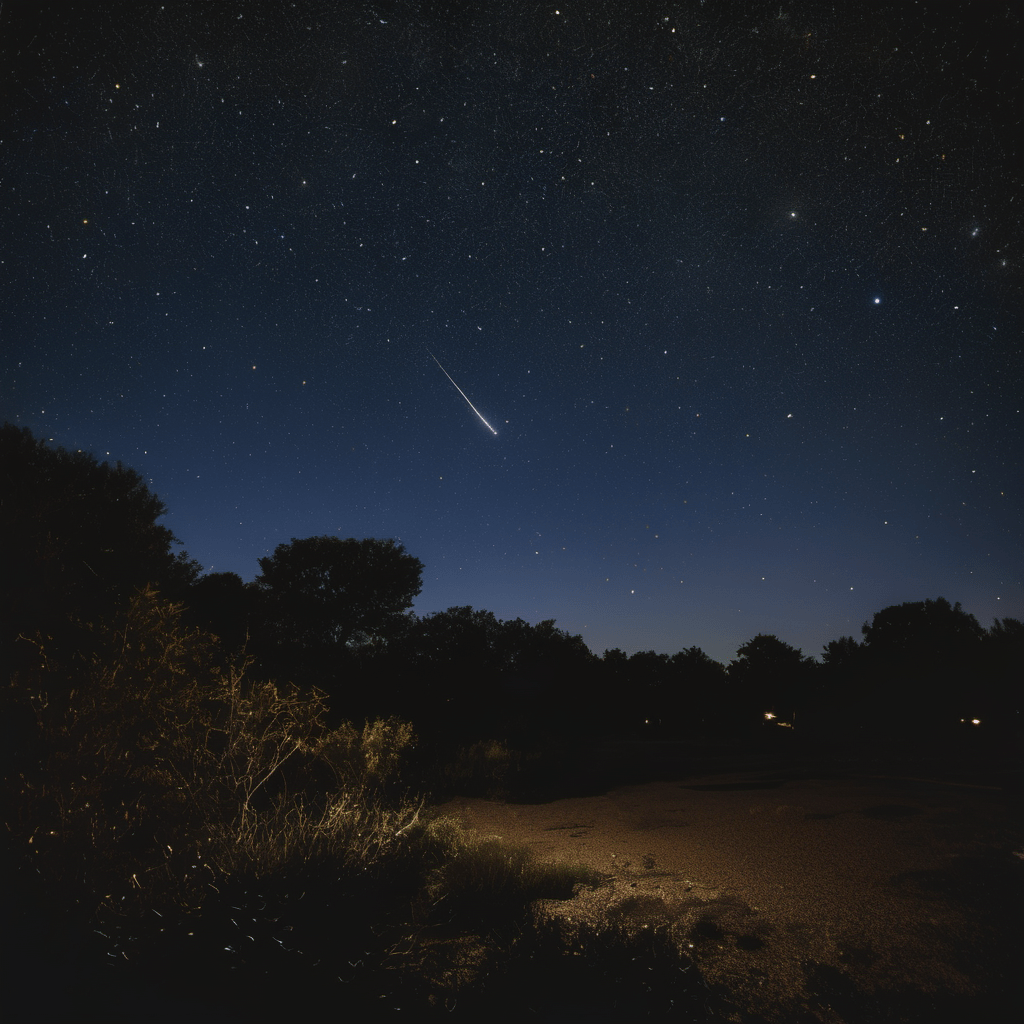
x: 463, y: 393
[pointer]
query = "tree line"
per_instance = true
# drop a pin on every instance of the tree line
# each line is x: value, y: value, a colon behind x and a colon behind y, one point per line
x: 185, y: 756
x: 333, y: 616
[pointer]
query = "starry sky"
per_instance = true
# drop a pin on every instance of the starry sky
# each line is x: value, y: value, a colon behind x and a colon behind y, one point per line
x: 731, y: 292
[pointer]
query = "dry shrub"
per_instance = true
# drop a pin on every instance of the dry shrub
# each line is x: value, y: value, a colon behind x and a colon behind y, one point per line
x: 476, y: 877
x: 158, y: 769
x: 485, y: 768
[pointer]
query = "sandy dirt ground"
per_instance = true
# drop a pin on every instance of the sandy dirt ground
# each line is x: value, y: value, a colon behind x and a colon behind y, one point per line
x: 790, y: 891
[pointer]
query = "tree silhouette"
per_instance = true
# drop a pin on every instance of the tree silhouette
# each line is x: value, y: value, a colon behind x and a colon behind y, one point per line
x: 924, y: 658
x: 650, y: 681
x: 220, y: 603
x: 698, y: 696
x: 615, y: 669
x: 659, y: 694
x: 914, y: 625
x: 323, y: 598
x: 769, y: 675
x: 80, y: 536
x: 548, y: 686
x: 471, y: 675
x: 456, y: 662
x: 1004, y: 666
x: 840, y: 654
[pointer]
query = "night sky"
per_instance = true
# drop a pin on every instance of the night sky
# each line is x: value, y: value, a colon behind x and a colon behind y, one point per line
x: 737, y: 285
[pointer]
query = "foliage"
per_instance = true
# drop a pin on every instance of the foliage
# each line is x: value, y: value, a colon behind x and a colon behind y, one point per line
x: 474, y: 915
x: 1004, y: 655
x: 916, y: 628
x: 484, y: 768
x: 476, y: 877
x: 148, y: 768
x: 923, y: 658
x: 221, y: 604
x: 469, y: 674
x: 323, y: 600
x: 1010, y: 631
x: 369, y: 760
x: 82, y: 535
x: 769, y: 675
x: 841, y: 654
x: 668, y: 695
x: 324, y: 591
x: 699, y: 690
x: 158, y: 771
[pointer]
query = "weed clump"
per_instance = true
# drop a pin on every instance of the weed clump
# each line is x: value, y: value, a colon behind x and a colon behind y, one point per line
x: 484, y: 879
x: 157, y: 772
x: 486, y: 768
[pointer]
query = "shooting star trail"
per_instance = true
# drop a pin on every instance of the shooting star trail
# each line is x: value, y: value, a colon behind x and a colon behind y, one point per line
x: 463, y: 393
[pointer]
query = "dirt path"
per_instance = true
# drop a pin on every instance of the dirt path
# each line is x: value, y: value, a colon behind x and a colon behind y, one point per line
x: 831, y: 896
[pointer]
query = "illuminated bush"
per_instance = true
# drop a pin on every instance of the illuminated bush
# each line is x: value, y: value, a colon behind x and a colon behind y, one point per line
x: 474, y: 877
x: 485, y: 768
x: 157, y: 769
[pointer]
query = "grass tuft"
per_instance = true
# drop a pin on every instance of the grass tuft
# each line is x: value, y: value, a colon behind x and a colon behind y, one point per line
x: 485, y: 878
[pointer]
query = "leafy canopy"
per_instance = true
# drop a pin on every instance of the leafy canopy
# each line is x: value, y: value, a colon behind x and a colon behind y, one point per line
x: 81, y: 535
x: 324, y: 591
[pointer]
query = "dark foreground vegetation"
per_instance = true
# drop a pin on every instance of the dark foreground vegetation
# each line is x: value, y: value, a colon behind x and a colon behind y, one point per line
x: 218, y: 796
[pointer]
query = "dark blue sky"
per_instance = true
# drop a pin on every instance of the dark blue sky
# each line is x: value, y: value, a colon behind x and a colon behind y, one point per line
x: 738, y: 285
